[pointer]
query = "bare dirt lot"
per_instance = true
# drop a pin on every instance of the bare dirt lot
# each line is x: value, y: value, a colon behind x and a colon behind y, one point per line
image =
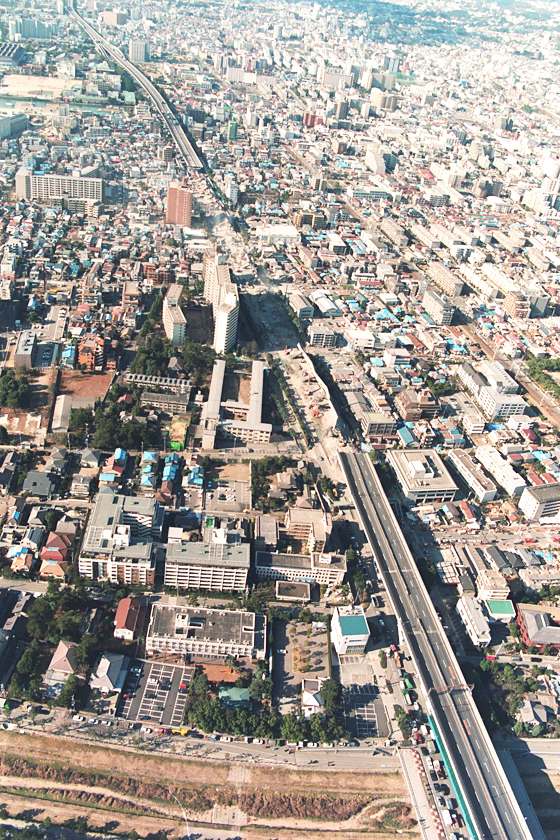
x: 85, y: 386
x: 234, y: 472
x: 121, y: 786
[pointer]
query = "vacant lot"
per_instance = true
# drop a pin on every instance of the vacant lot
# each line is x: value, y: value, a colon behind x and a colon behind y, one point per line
x: 87, y: 387
x: 52, y: 775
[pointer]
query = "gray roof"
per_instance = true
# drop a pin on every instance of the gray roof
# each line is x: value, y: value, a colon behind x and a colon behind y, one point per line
x: 545, y: 492
x: 232, y: 555
x: 540, y: 629
x: 235, y: 627
x: 39, y: 484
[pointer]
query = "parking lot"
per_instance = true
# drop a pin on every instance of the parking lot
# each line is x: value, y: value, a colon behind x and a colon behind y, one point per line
x: 46, y: 355
x: 364, y: 713
x: 155, y: 692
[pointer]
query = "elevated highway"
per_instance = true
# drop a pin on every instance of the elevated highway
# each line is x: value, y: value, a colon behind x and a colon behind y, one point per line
x: 176, y: 130
x: 487, y: 800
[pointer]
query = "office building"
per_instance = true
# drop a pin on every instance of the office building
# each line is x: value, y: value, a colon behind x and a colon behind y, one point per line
x: 30, y: 186
x: 179, y: 205
x: 540, y: 502
x: 440, y: 310
x: 349, y: 630
x: 422, y: 475
x: 323, y: 569
x: 206, y: 634
x: 483, y: 488
x: 174, y: 321
x: 118, y: 544
x: 217, y: 564
x: 139, y: 51
x: 500, y: 470
x: 377, y: 424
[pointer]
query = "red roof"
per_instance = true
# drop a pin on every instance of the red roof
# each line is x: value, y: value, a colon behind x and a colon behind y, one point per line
x: 127, y: 614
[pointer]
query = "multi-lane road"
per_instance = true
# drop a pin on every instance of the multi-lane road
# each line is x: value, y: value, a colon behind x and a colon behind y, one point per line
x: 167, y: 114
x: 488, y: 799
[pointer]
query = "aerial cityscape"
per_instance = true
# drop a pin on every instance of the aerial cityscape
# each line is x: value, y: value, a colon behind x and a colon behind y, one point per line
x: 280, y: 420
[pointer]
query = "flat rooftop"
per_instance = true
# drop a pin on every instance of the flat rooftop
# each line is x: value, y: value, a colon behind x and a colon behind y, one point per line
x: 421, y: 469
x: 235, y: 627
x: 232, y: 555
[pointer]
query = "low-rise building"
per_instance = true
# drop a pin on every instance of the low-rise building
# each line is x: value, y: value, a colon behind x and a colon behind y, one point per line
x: 539, y: 626
x: 483, y: 488
x: 109, y: 673
x: 500, y: 470
x: 171, y: 403
x: 324, y: 569
x: 193, y: 631
x: 349, y: 630
x: 126, y: 618
x: 475, y: 622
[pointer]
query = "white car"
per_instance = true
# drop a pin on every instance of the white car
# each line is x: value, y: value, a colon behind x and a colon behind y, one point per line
x: 79, y: 718
x: 146, y: 729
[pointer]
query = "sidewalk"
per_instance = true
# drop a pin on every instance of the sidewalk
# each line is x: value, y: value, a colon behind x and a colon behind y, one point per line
x: 413, y: 771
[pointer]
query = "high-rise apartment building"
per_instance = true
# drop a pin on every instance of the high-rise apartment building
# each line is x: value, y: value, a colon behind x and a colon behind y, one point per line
x: 179, y: 205
x: 30, y: 186
x: 139, y: 51
x: 222, y: 293
x: 174, y: 321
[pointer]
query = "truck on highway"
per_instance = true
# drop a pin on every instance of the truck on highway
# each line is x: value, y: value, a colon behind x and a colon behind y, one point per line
x: 446, y: 817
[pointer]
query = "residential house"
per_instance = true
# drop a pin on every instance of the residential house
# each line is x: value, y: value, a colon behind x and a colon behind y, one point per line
x: 126, y: 618
x: 110, y: 673
x: 62, y: 665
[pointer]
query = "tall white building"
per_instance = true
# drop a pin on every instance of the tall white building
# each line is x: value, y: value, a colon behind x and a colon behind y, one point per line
x: 222, y: 293
x: 174, y: 321
x: 30, y: 186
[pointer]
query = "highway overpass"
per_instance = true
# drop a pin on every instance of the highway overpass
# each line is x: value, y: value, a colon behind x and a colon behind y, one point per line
x: 176, y: 130
x: 487, y: 800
